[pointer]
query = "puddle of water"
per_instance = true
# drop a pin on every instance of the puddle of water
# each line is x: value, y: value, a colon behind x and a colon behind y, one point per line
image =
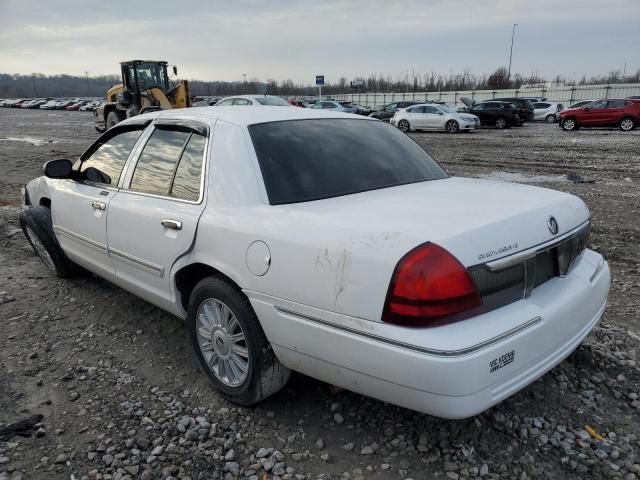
x: 522, y: 178
x: 30, y: 140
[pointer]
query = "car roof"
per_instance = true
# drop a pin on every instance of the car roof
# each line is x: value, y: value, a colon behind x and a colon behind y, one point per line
x: 252, y: 96
x: 244, y: 115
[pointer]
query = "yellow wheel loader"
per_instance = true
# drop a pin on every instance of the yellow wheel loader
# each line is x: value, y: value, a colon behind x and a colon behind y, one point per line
x: 145, y: 87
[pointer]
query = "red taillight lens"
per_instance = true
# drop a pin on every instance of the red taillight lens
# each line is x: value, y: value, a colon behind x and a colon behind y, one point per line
x: 429, y: 285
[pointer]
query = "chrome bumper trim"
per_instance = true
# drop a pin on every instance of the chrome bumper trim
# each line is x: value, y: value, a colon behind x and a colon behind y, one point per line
x: 416, y: 348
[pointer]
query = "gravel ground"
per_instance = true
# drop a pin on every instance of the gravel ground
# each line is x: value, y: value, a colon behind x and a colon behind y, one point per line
x: 121, y: 396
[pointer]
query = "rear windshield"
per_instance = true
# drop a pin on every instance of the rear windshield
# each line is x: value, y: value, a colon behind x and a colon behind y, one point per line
x: 303, y: 160
x: 273, y: 101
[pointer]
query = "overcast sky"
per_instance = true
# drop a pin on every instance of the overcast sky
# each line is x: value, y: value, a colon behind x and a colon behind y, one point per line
x: 297, y: 39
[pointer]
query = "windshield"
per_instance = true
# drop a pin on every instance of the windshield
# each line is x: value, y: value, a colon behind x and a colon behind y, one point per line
x: 447, y: 109
x: 148, y: 75
x: 304, y: 160
x: 273, y: 101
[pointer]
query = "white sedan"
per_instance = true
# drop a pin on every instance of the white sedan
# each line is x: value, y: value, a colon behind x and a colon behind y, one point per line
x: 330, y: 244
x: 253, y: 100
x: 434, y: 117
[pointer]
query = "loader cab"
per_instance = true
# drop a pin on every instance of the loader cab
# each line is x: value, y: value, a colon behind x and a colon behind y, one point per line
x: 138, y: 76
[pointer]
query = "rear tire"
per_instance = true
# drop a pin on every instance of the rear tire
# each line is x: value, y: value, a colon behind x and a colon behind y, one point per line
x: 627, y: 124
x: 452, y: 126
x: 501, y: 123
x: 230, y: 344
x: 37, y: 227
x: 550, y: 119
x: 404, y: 126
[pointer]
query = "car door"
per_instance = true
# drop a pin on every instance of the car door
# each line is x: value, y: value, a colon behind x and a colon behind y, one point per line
x: 433, y: 118
x: 153, y: 219
x: 593, y: 114
x: 480, y: 111
x: 79, y: 207
x: 415, y: 117
x: 614, y: 111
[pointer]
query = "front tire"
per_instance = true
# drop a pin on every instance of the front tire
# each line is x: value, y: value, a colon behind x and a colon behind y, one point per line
x: 627, y: 124
x: 112, y: 119
x: 569, y: 124
x: 404, y: 126
x: 38, y: 228
x: 230, y: 344
x: 452, y: 126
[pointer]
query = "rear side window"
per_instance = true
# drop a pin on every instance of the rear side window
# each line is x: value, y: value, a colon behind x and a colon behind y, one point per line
x: 186, y: 184
x: 304, y: 160
x: 106, y: 163
x: 170, y: 165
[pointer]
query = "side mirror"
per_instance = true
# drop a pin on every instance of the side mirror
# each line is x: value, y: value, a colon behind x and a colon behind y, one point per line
x: 61, y: 168
x: 175, y: 70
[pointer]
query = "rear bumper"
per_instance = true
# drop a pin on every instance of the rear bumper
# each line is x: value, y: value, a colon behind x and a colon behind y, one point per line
x: 449, y: 383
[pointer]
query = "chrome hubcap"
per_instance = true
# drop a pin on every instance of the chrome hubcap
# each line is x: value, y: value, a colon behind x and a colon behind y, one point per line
x: 40, y: 250
x: 626, y: 124
x: 222, y: 342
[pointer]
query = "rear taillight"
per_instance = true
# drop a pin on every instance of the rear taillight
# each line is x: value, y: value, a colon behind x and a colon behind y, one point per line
x: 430, y: 287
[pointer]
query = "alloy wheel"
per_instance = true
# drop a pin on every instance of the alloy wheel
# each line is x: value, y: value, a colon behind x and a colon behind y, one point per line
x: 626, y: 124
x: 569, y: 124
x: 222, y: 342
x: 452, y: 126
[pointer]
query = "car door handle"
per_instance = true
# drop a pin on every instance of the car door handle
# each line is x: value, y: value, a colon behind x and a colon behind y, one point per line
x: 172, y: 224
x: 99, y: 205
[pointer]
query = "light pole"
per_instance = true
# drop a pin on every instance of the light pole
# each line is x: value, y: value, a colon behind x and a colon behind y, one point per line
x: 513, y: 32
x: 244, y: 83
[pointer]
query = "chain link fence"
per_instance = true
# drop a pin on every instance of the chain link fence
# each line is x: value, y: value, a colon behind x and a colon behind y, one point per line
x: 567, y: 95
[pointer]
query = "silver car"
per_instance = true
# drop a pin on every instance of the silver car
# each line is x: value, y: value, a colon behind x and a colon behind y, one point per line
x: 547, y: 111
x: 336, y: 106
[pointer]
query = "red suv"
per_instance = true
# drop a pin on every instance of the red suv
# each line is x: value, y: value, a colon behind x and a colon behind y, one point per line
x: 625, y: 113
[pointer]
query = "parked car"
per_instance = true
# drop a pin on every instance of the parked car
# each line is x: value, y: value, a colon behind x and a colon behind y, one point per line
x: 362, y: 110
x: 386, y: 112
x: 75, y: 106
x: 50, y: 105
x: 498, y: 114
x: 309, y: 103
x: 91, y: 106
x: 364, y: 265
x: 547, y: 111
x: 334, y: 105
x: 634, y: 97
x: 253, y: 100
x: 434, y: 117
x: 296, y: 103
x: 623, y: 113
x: 581, y: 103
x: 525, y: 107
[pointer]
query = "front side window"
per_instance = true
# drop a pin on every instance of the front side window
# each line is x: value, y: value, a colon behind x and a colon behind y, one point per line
x: 242, y: 101
x: 170, y: 165
x: 598, y: 105
x: 304, y: 160
x: 105, y: 164
x: 228, y: 101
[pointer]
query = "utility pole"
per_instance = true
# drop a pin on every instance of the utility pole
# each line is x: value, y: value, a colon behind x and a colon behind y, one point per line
x: 86, y: 74
x: 513, y: 32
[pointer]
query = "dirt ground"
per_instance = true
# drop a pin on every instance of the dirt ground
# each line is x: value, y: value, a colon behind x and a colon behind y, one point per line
x: 122, y: 397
